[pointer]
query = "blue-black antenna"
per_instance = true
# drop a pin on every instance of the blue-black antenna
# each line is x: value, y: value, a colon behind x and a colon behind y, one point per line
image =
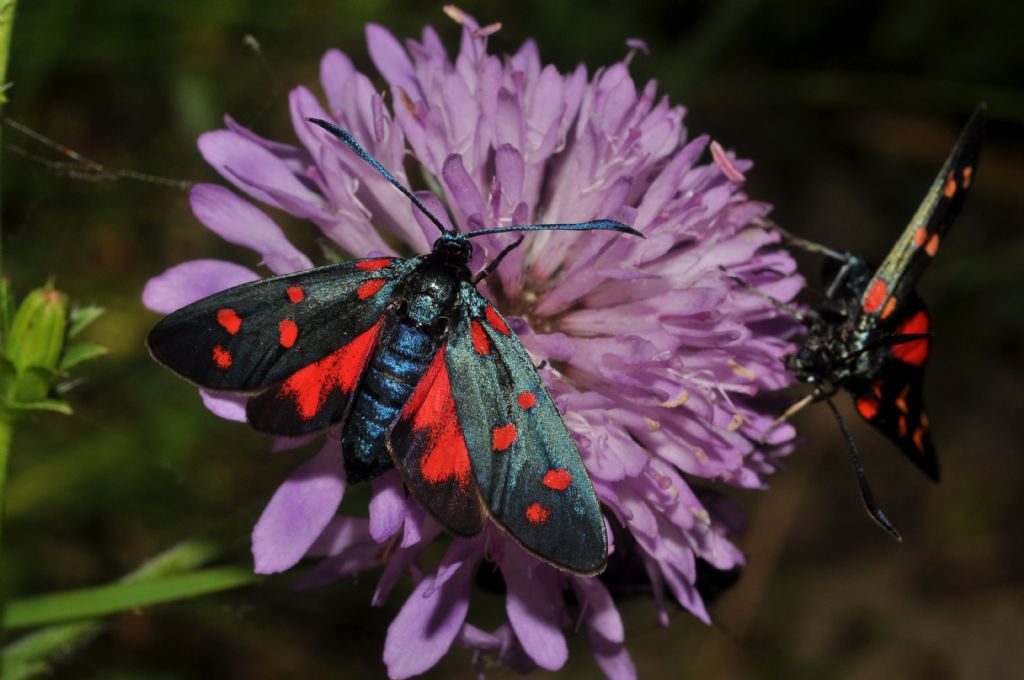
x: 350, y: 141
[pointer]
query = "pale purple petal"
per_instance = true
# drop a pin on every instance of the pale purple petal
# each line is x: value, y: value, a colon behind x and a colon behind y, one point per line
x: 534, y: 608
x: 599, y: 611
x: 299, y: 511
x: 189, y: 282
x: 289, y: 443
x: 431, y: 618
x: 391, y: 60
x: 613, y: 659
x: 238, y: 221
x: 387, y: 507
x: 249, y: 166
x: 225, y: 405
x: 336, y: 70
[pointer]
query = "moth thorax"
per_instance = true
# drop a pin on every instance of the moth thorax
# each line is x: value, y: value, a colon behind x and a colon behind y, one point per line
x: 423, y: 309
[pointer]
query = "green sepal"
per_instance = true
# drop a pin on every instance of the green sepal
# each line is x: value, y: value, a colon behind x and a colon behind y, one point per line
x: 81, y: 317
x: 32, y: 384
x: 79, y: 352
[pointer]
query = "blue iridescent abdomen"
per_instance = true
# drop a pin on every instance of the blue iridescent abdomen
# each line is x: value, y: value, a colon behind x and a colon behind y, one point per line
x: 397, y: 365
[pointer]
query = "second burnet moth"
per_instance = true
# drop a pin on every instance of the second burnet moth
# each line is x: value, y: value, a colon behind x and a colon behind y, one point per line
x: 872, y: 334
x: 420, y: 371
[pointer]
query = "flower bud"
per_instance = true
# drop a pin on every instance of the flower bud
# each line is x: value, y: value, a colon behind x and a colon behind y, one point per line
x: 35, y: 342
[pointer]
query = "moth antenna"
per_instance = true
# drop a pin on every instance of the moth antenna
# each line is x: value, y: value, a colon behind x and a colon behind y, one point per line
x: 350, y: 141
x: 862, y: 480
x: 595, y: 225
x: 487, y: 270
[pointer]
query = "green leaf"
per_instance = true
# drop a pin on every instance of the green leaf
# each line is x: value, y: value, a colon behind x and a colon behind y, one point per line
x: 41, y: 650
x: 56, y: 405
x: 81, y: 317
x: 79, y: 352
x: 38, y: 654
x: 120, y: 597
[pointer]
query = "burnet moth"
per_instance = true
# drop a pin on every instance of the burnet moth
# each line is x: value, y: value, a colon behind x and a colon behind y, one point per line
x: 420, y: 371
x: 872, y: 335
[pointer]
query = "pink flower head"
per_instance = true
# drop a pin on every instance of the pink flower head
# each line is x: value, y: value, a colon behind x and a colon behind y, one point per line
x: 659, y: 353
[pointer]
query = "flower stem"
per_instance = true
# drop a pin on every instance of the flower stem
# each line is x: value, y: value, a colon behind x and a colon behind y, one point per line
x: 6, y: 24
x: 6, y: 429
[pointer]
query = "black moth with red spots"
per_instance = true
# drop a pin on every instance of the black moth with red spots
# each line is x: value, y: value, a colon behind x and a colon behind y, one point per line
x: 872, y: 335
x: 421, y: 373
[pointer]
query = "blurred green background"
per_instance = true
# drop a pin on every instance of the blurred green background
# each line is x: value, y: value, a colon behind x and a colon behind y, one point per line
x: 848, y: 109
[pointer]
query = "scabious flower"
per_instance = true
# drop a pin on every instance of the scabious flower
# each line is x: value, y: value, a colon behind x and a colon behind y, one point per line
x: 660, y: 353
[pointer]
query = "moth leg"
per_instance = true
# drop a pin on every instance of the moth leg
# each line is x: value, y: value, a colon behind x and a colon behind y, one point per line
x: 810, y: 246
x: 862, y: 480
x: 486, y: 271
x: 786, y: 308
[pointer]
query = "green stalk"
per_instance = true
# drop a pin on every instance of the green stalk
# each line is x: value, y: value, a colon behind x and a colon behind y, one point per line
x: 6, y: 429
x: 6, y: 24
x: 41, y: 651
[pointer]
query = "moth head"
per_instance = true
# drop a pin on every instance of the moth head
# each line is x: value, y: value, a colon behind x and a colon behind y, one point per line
x: 454, y: 247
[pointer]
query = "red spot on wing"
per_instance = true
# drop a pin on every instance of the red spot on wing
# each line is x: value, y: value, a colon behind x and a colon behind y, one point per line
x: 229, y: 320
x: 369, y: 288
x: 558, y: 479
x: 537, y: 514
x: 867, y: 407
x: 919, y: 439
x: 968, y: 171
x: 890, y: 307
x: 503, y: 437
x: 915, y: 352
x: 289, y: 333
x: 920, y: 236
x: 221, y: 357
x: 527, y: 400
x: 497, y: 323
x: 295, y: 294
x: 480, y: 342
x: 374, y: 265
x: 310, y: 387
x: 950, y: 188
x: 933, y: 245
x: 431, y: 411
x: 876, y: 295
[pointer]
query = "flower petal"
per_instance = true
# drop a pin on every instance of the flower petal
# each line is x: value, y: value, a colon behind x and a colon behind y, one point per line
x: 387, y: 507
x: 391, y: 60
x: 599, y: 611
x: 433, y: 615
x: 226, y: 405
x: 239, y: 222
x: 534, y: 607
x: 250, y: 166
x: 188, y: 282
x: 299, y: 511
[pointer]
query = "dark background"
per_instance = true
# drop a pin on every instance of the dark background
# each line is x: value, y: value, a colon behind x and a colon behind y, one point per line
x: 848, y: 109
